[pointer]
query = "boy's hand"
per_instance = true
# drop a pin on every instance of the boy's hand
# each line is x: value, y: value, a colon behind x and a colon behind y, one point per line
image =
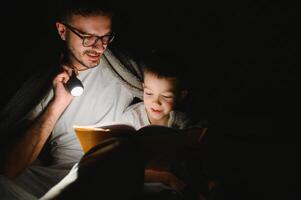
x: 197, y: 133
x: 164, y: 177
x: 174, y: 182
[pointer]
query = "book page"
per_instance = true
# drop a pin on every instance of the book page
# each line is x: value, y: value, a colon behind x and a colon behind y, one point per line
x: 103, y: 124
x: 160, y: 145
x: 91, y: 135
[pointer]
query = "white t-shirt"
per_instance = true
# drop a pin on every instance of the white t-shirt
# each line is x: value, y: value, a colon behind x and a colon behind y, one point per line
x: 104, y: 99
x: 137, y: 116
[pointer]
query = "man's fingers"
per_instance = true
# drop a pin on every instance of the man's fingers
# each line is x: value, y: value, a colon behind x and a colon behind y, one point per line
x: 62, y: 77
x: 67, y: 69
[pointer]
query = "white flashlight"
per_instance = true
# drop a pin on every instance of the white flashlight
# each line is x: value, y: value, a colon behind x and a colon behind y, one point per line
x: 74, y: 85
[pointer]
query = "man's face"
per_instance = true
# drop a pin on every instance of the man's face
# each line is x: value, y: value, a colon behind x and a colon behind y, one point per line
x: 80, y: 56
x: 159, y: 97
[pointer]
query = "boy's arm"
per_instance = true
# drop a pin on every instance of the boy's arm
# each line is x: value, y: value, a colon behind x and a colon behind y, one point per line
x: 164, y: 177
x: 26, y: 150
x: 198, y: 132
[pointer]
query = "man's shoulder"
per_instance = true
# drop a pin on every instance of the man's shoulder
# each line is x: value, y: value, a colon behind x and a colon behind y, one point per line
x: 125, y: 70
x: 125, y: 59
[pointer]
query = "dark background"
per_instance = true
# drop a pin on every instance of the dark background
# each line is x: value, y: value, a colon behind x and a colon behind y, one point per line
x: 242, y: 58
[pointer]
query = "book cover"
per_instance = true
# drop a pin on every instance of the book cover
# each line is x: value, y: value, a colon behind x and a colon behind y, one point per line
x: 159, y: 144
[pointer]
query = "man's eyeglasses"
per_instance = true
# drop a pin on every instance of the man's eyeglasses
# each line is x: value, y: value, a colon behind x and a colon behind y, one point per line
x: 91, y: 40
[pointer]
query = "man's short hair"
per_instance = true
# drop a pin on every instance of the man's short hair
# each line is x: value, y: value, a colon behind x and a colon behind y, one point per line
x: 83, y: 8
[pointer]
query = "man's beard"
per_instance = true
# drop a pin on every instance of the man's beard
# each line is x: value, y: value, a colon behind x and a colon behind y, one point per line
x: 73, y: 57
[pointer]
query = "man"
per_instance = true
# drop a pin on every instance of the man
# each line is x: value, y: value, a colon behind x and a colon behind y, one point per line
x: 109, y: 88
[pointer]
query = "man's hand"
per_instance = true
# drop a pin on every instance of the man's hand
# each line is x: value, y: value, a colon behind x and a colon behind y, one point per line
x: 26, y: 150
x: 62, y: 96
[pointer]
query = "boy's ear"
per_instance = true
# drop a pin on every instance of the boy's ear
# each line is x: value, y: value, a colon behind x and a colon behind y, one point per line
x: 183, y: 94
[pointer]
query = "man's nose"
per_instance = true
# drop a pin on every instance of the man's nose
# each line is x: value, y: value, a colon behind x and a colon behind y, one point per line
x: 99, y: 45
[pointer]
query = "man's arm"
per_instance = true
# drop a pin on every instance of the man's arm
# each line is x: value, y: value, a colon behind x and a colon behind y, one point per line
x: 27, y: 149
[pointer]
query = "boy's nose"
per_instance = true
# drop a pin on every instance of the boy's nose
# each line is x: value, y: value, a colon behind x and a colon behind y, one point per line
x: 157, y: 101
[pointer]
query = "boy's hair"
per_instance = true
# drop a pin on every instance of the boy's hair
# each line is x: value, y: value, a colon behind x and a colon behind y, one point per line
x: 166, y: 64
x: 83, y: 8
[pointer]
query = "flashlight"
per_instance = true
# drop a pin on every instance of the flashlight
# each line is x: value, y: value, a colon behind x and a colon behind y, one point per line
x: 74, y: 85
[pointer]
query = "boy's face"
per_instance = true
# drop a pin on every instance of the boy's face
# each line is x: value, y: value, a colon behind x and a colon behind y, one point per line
x: 159, y: 97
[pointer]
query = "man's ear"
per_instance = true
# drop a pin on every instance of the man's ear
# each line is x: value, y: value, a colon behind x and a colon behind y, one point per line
x: 61, y: 29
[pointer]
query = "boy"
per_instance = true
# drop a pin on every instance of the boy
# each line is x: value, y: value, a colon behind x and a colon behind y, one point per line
x: 163, y: 91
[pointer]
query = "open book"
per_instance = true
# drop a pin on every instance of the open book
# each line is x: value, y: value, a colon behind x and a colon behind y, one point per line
x: 160, y: 144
